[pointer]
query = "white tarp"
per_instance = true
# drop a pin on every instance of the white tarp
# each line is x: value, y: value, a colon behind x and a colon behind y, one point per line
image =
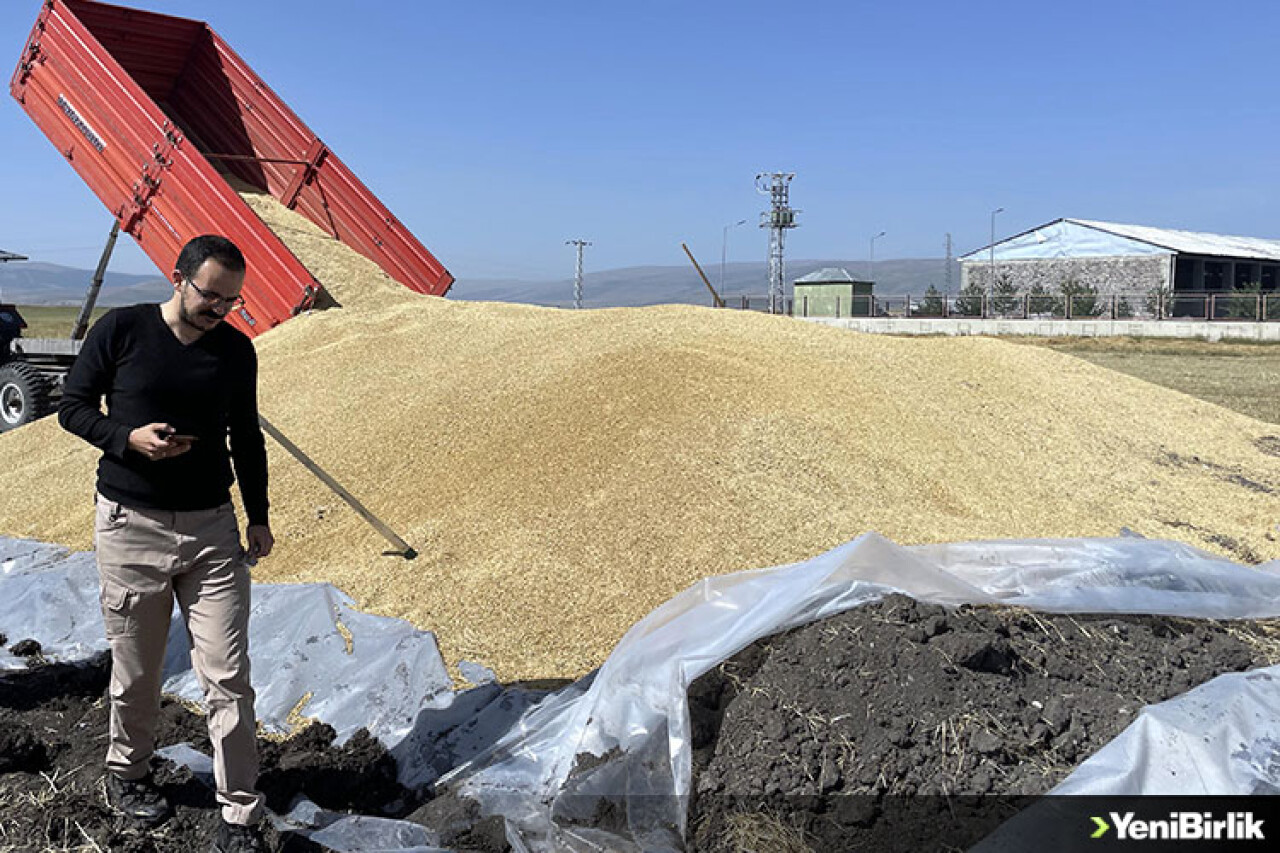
x: 312, y: 652
x: 313, y: 655
x: 635, y: 708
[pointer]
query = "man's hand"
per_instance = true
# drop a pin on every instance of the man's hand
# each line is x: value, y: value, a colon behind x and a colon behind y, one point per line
x: 260, y: 541
x: 158, y: 441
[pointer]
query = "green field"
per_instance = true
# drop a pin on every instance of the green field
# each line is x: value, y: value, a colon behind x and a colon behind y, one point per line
x: 44, y: 321
x: 1241, y: 376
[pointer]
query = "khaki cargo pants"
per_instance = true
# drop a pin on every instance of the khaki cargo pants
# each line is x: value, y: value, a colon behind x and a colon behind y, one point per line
x: 146, y: 560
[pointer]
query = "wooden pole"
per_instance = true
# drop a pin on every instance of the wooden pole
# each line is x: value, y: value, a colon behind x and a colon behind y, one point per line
x: 405, y: 551
x: 719, y: 303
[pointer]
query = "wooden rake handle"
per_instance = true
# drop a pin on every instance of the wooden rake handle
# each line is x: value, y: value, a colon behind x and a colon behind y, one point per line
x: 404, y: 549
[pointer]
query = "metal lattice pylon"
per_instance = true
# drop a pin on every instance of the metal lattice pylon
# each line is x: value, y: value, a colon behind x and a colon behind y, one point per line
x: 577, y: 271
x: 947, y: 268
x: 777, y: 219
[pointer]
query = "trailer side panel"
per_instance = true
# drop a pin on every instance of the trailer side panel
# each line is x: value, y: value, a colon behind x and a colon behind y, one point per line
x: 140, y: 164
x: 152, y: 111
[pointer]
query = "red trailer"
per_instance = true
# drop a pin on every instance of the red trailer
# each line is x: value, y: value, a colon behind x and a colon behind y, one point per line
x: 142, y: 105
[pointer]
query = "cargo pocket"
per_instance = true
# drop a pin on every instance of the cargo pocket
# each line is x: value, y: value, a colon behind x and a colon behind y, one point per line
x: 110, y: 516
x: 118, y: 603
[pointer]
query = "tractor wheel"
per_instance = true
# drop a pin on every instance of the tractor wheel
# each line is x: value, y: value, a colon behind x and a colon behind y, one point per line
x: 24, y: 395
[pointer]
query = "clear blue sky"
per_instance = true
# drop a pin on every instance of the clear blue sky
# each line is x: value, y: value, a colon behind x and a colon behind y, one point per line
x: 496, y: 131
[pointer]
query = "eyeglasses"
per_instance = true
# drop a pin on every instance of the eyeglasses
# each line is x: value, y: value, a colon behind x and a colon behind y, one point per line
x: 216, y: 298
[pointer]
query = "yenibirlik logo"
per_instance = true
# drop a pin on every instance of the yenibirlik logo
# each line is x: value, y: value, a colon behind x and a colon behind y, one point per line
x: 1182, y: 826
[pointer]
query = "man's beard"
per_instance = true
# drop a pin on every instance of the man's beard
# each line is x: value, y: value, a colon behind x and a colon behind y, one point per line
x: 190, y: 317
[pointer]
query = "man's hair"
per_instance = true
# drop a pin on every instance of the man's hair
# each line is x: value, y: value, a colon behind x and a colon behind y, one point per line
x: 204, y: 247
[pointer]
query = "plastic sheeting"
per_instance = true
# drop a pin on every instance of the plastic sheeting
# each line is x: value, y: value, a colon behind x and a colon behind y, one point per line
x: 1222, y: 738
x: 634, y: 713
x: 49, y: 594
x: 313, y: 655
x: 343, y: 833
x: 312, y: 652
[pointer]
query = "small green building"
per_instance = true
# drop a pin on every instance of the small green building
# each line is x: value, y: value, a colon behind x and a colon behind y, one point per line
x: 832, y: 292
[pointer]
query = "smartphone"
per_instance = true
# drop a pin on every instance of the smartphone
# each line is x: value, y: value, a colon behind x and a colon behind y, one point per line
x: 177, y: 436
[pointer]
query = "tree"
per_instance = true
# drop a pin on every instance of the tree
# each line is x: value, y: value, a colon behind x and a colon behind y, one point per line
x: 1041, y: 301
x: 932, y: 306
x: 1004, y: 295
x: 1080, y: 298
x: 969, y: 302
x: 1244, y: 303
x: 1157, y: 298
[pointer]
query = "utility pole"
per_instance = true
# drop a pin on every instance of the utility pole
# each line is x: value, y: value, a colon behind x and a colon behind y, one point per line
x: 871, y: 258
x: 947, y: 271
x: 993, y: 248
x: 577, y: 272
x: 724, y: 247
x: 777, y: 219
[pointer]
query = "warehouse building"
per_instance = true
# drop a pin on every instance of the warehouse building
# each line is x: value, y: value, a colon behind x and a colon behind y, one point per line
x: 1124, y: 259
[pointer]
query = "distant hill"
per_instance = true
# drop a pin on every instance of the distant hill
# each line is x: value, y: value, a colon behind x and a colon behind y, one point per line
x: 37, y: 283
x: 633, y: 286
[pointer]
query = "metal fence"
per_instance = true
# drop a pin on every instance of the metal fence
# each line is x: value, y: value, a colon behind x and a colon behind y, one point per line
x: 1178, y: 305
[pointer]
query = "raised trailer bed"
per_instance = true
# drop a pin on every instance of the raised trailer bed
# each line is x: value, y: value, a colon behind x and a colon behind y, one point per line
x: 153, y: 110
x: 155, y: 113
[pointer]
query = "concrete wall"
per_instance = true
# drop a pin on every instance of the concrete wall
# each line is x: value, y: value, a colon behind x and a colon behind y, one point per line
x: 1058, y: 328
x: 1108, y: 275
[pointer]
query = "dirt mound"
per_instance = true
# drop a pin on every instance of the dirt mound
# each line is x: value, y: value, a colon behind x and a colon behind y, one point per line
x: 53, y: 720
x: 875, y: 725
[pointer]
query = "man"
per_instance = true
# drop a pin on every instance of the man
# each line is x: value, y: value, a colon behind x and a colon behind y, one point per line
x: 179, y: 384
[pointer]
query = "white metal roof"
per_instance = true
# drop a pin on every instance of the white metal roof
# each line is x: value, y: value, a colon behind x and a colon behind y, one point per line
x: 827, y: 275
x: 1193, y: 242
x: 1092, y: 238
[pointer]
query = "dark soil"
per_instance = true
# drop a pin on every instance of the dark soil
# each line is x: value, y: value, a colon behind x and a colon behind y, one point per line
x: 898, y: 724
x: 53, y: 724
x: 888, y: 727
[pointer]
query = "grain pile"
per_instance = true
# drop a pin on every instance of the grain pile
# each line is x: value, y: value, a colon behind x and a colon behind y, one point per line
x: 563, y: 472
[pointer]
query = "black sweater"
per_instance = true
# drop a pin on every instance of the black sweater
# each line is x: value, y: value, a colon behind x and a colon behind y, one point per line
x: 207, y: 389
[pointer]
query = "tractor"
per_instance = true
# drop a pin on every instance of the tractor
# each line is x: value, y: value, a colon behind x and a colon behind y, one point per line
x: 33, y: 370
